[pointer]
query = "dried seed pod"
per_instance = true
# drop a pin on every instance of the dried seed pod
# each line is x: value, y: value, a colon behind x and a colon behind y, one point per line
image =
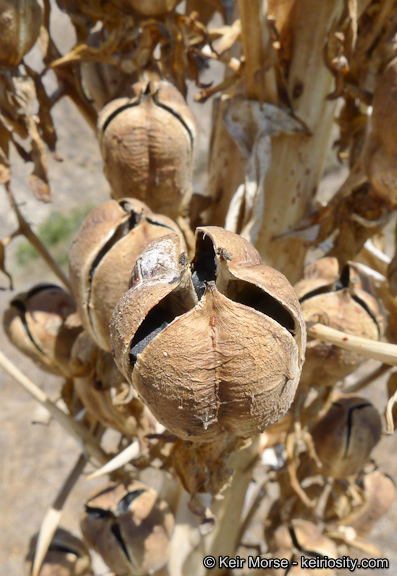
x: 345, y: 435
x: 20, y: 22
x: 43, y: 324
x: 214, y: 347
x: 380, y: 151
x: 147, y: 144
x: 147, y: 7
x: 301, y: 538
x: 104, y: 392
x: 343, y: 301
x: 129, y: 526
x: 392, y: 389
x: 103, y: 255
x: 67, y: 556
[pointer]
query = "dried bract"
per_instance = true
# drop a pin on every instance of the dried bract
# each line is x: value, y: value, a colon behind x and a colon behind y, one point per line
x: 147, y: 144
x: 343, y: 301
x: 130, y: 527
x: 345, y: 435
x: 20, y: 22
x: 43, y: 324
x: 214, y: 346
x: 103, y: 255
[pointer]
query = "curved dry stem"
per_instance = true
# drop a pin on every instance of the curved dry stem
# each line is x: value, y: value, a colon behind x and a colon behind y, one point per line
x: 389, y: 413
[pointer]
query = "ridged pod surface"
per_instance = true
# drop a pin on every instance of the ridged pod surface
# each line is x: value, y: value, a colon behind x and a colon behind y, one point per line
x: 214, y: 346
x: 20, y: 22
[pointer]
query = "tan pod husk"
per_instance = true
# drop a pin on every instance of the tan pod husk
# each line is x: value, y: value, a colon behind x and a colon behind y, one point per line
x: 20, y: 22
x: 345, y: 435
x: 103, y: 255
x: 213, y: 347
x: 147, y: 7
x: 342, y: 300
x: 147, y: 144
x: 43, y: 324
x: 130, y: 527
x: 104, y: 392
x: 67, y: 556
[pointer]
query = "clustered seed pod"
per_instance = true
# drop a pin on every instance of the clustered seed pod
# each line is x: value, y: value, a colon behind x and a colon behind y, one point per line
x: 67, y: 556
x: 147, y: 7
x: 130, y: 527
x: 20, y: 22
x: 213, y: 347
x: 43, y: 324
x: 380, y: 151
x: 147, y: 144
x: 103, y: 255
x: 301, y: 538
x: 104, y: 392
x: 342, y: 301
x: 345, y: 435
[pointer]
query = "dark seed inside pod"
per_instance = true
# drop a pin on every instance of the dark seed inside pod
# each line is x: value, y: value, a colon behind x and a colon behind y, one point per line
x: 98, y: 513
x: 350, y: 422
x: 155, y: 322
x: 115, y: 529
x: 128, y: 499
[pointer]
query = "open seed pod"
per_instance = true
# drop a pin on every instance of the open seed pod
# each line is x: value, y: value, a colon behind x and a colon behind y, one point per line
x: 104, y: 392
x: 147, y: 144
x: 301, y: 538
x: 147, y: 7
x: 67, y: 556
x: 43, y: 324
x: 130, y: 527
x: 345, y: 435
x: 343, y: 301
x: 377, y: 491
x: 392, y: 389
x: 20, y: 22
x: 212, y: 347
x: 380, y: 152
x: 103, y: 255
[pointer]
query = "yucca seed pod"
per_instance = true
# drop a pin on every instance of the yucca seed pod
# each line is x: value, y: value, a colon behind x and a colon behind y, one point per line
x: 380, y: 151
x: 345, y: 435
x: 212, y: 347
x: 130, y: 527
x: 67, y: 556
x: 147, y: 144
x: 391, y: 389
x: 301, y: 538
x: 104, y: 392
x: 103, y: 255
x: 377, y: 491
x: 150, y: 8
x: 20, y: 22
x: 344, y: 301
x: 43, y: 324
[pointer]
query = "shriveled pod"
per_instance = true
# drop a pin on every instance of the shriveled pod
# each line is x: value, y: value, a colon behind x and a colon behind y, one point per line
x: 345, y: 435
x: 301, y: 538
x: 147, y: 7
x: 104, y: 392
x: 103, y: 255
x: 392, y: 389
x: 377, y: 491
x: 43, y: 324
x: 341, y: 300
x: 130, y: 527
x: 380, y: 151
x: 214, y: 346
x: 20, y: 22
x: 147, y: 143
x: 67, y: 556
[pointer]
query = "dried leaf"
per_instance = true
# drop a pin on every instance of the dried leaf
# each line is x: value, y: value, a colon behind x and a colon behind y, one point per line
x: 132, y: 451
x: 2, y: 264
x: 47, y: 127
x: 39, y: 177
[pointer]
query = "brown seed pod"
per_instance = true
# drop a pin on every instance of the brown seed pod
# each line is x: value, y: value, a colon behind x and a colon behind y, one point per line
x: 20, y: 22
x: 67, y: 556
x: 147, y: 7
x: 301, y: 538
x: 147, y: 144
x: 43, y: 324
x: 392, y: 389
x: 345, y: 435
x: 213, y: 347
x: 343, y: 301
x: 129, y: 526
x: 104, y: 392
x: 103, y: 256
x: 380, y: 151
